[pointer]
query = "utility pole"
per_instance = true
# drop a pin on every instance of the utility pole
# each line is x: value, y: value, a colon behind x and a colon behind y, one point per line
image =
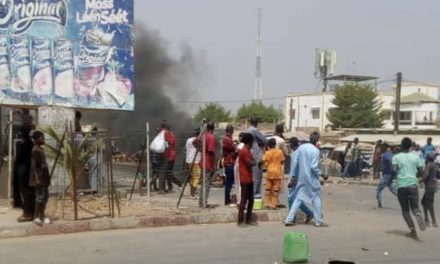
x: 324, y: 73
x: 258, y: 86
x: 397, y: 111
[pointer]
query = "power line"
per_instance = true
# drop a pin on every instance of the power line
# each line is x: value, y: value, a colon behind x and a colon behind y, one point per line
x: 229, y: 101
x: 263, y: 99
x: 421, y: 83
x: 385, y: 81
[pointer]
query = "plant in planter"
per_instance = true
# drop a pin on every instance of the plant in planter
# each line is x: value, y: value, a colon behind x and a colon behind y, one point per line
x: 82, y: 148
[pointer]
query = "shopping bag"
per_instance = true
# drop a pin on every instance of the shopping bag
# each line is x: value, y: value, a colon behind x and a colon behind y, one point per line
x: 158, y: 145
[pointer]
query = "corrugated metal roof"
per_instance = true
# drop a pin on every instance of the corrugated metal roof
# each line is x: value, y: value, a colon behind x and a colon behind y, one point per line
x: 351, y: 78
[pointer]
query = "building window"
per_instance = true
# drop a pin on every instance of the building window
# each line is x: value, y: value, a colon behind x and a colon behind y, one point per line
x: 405, y: 117
x: 425, y: 117
x: 316, y: 113
x: 293, y: 114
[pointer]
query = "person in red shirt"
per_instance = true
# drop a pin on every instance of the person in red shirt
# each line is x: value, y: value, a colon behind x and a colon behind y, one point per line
x: 229, y: 156
x: 207, y: 162
x: 245, y: 164
x: 377, y: 159
x: 169, y: 157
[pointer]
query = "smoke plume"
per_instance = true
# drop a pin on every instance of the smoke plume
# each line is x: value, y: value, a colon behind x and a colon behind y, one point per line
x: 160, y: 79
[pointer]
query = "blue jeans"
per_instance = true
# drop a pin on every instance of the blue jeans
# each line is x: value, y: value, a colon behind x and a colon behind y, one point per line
x: 384, y: 182
x: 346, y: 171
x: 358, y: 171
x: 257, y: 175
x: 317, y: 209
x: 229, y: 182
x: 42, y: 194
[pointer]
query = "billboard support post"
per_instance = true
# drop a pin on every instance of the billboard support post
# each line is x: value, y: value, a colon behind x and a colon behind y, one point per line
x: 10, y: 155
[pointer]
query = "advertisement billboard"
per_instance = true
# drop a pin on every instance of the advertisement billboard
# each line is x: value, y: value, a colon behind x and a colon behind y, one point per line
x: 70, y: 53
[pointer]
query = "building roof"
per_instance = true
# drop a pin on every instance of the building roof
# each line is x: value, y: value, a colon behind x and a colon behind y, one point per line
x: 418, y: 97
x: 351, y: 78
x: 308, y: 94
x: 391, y: 138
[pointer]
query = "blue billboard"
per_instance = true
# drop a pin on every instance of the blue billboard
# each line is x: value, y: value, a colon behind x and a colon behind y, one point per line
x: 71, y: 53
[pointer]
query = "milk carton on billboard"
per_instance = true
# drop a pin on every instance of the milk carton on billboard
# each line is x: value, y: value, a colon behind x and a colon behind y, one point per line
x: 20, y: 67
x: 42, y: 81
x: 5, y: 73
x: 63, y: 70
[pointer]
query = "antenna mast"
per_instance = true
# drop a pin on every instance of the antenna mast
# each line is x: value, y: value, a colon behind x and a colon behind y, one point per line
x: 258, y: 89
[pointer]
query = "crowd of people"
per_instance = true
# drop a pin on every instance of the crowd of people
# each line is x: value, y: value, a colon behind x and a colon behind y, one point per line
x: 402, y: 168
x: 399, y: 168
x: 352, y: 165
x: 243, y: 163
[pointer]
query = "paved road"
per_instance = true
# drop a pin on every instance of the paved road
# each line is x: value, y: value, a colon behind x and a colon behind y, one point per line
x: 358, y: 231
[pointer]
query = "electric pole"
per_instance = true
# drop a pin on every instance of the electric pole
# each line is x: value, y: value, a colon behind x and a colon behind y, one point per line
x: 258, y: 86
x: 397, y: 111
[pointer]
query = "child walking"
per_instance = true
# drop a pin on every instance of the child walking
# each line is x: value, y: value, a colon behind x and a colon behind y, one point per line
x: 273, y: 160
x: 430, y: 181
x: 39, y: 178
x: 245, y: 164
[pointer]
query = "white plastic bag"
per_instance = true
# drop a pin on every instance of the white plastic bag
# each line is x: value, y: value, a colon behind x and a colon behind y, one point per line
x: 158, y: 145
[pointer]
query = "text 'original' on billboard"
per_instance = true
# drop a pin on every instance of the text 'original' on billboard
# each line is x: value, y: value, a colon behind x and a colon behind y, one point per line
x: 72, y: 53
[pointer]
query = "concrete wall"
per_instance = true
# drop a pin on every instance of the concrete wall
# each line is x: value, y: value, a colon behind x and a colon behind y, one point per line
x: 308, y: 111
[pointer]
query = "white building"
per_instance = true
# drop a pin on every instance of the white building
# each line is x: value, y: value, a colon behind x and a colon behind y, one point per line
x: 419, y: 108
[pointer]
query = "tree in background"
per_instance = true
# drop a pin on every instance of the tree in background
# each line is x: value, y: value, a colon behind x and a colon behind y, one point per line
x: 266, y: 114
x: 213, y: 112
x: 356, y: 106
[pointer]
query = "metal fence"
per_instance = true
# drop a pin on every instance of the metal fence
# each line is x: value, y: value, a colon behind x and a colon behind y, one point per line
x: 82, y: 178
x: 122, y: 179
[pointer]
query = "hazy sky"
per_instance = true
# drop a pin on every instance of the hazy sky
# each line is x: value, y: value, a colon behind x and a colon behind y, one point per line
x: 371, y: 37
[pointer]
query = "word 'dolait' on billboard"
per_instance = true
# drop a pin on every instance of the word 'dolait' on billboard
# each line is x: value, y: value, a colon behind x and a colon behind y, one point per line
x: 72, y: 53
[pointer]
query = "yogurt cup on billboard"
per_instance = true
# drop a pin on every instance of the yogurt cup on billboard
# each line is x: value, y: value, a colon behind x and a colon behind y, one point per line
x: 93, y: 55
x: 5, y: 73
x: 42, y: 80
x: 63, y: 68
x: 20, y: 65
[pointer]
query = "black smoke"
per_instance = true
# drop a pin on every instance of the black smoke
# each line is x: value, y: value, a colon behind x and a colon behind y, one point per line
x: 160, y: 81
